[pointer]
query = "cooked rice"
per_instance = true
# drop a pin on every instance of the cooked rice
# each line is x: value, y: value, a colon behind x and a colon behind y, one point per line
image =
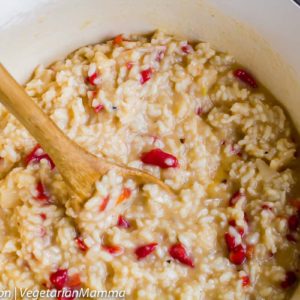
x: 226, y: 137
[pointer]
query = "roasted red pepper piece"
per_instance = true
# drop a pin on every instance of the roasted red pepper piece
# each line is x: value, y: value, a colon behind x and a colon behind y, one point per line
x: 146, y: 75
x: 235, y: 198
x: 41, y: 193
x: 36, y: 155
x: 290, y: 280
x: 104, y: 203
x: 143, y: 251
x: 123, y: 222
x: 245, y: 77
x: 114, y: 250
x: 74, y: 281
x: 81, y: 244
x: 129, y: 65
x: 94, y: 79
x: 59, y: 278
x: 245, y: 280
x: 237, y: 255
x: 98, y: 108
x: 43, y: 216
x: 118, y: 40
x: 293, y: 222
x: 179, y: 253
x: 230, y: 241
x: 157, y: 157
x: 186, y: 49
x: 126, y: 193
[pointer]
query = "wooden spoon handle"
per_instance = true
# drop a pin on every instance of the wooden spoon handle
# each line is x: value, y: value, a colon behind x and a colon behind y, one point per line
x: 40, y: 126
x: 77, y: 166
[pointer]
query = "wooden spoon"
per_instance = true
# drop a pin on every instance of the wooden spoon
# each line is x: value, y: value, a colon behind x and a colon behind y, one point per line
x: 79, y: 169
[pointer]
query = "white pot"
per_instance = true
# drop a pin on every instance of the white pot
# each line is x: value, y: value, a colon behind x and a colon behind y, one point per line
x: 262, y: 34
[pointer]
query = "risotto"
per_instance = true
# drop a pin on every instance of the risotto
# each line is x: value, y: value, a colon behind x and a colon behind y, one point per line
x: 186, y: 114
